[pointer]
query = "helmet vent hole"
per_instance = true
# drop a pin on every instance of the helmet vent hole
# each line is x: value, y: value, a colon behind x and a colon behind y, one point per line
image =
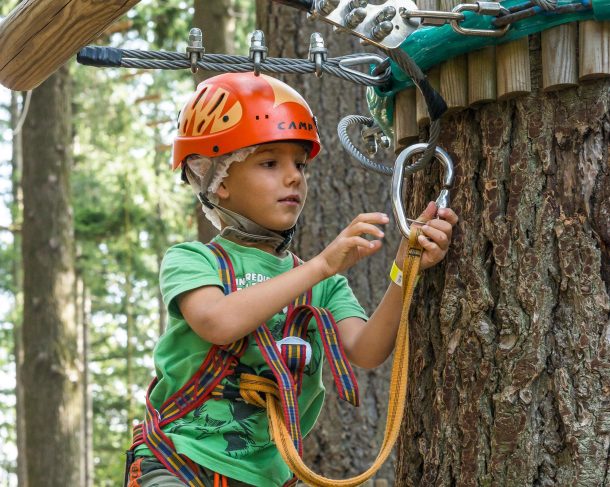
x: 257, y: 117
x: 266, y: 116
x: 225, y: 118
x: 215, y: 148
x: 199, y: 96
x: 217, y: 104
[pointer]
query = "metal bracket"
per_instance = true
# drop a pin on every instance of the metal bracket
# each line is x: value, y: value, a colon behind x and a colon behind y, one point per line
x: 376, y: 24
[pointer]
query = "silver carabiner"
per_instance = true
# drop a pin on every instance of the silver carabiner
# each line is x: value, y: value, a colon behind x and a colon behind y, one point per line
x: 482, y: 8
x: 398, y: 177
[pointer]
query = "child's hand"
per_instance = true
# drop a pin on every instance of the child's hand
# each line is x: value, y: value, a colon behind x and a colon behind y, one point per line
x: 436, y: 236
x: 350, y: 245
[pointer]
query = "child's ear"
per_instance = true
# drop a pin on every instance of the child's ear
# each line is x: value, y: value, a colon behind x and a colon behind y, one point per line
x: 222, y: 192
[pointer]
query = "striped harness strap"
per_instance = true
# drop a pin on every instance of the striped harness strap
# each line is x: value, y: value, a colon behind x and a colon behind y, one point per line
x: 297, y: 321
x: 287, y: 366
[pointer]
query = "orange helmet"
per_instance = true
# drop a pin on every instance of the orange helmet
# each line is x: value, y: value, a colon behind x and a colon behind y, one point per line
x: 236, y: 110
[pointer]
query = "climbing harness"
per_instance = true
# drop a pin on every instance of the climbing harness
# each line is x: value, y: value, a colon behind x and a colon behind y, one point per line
x: 278, y: 391
x: 286, y: 360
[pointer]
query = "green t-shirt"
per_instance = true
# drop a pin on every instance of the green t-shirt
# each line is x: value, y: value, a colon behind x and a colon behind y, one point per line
x: 232, y: 437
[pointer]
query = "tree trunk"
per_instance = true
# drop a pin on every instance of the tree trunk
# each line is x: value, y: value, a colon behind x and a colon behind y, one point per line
x: 213, y: 18
x: 16, y: 218
x: 346, y: 439
x: 52, y: 368
x: 510, y: 372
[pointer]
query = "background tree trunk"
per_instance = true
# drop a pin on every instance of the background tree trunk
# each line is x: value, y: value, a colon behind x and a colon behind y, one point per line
x: 17, y: 114
x: 346, y: 439
x: 52, y: 371
x: 510, y: 374
x: 213, y: 17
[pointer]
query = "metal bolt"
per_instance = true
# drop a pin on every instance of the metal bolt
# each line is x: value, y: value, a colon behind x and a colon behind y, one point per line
x: 354, y: 4
x: 387, y: 13
x: 327, y: 6
x: 382, y: 30
x: 355, y: 17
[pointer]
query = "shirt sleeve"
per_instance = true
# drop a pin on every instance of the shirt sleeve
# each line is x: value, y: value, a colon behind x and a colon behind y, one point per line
x: 186, y: 267
x: 339, y: 299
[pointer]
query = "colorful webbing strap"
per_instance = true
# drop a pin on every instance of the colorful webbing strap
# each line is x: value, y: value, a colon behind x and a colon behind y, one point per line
x: 287, y: 368
x: 217, y: 364
x: 268, y: 348
x: 343, y: 375
x: 163, y: 448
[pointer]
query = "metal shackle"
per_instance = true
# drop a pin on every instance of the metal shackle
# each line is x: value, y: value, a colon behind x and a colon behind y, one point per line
x: 398, y: 177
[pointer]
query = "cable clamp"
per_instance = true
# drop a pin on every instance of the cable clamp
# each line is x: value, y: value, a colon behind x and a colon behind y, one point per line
x: 317, y: 51
x: 195, y: 49
x: 373, y: 136
x: 258, y: 50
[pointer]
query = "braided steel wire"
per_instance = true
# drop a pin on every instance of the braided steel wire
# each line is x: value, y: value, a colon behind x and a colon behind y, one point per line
x: 225, y: 63
x: 346, y: 142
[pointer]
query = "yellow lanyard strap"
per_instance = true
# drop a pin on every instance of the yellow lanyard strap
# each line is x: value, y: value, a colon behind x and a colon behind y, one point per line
x: 251, y: 386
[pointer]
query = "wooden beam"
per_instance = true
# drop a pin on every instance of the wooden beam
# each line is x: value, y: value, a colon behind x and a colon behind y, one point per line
x: 559, y: 59
x: 482, y: 76
x: 39, y: 36
x: 513, y: 69
x: 405, y: 120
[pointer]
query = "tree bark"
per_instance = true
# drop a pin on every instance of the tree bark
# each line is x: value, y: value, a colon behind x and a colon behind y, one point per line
x: 52, y: 368
x: 510, y: 368
x: 346, y: 439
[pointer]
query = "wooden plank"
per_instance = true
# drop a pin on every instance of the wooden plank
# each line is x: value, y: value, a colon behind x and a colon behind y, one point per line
x: 594, y: 50
x: 454, y: 73
x: 38, y: 36
x: 559, y: 58
x: 405, y: 121
x: 482, y: 76
x: 454, y: 83
x: 513, y: 69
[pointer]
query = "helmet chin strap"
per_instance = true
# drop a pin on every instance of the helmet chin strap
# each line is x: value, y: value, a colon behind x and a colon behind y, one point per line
x: 248, y: 231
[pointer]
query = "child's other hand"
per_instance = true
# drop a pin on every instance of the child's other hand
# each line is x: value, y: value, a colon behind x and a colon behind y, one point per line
x: 350, y: 246
x: 436, y: 235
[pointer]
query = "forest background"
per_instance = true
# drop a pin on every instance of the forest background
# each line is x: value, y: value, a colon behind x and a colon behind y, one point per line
x: 128, y: 208
x: 510, y: 337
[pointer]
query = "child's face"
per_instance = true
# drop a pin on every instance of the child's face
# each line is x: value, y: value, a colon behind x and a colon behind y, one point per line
x: 269, y: 186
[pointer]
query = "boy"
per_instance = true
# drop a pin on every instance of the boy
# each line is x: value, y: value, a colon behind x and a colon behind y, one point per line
x: 243, y: 144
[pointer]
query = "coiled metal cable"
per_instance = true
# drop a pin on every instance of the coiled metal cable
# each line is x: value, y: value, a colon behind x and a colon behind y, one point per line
x: 369, y: 164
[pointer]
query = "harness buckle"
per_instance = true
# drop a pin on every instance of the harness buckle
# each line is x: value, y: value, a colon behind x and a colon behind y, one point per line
x: 295, y: 341
x: 397, y: 180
